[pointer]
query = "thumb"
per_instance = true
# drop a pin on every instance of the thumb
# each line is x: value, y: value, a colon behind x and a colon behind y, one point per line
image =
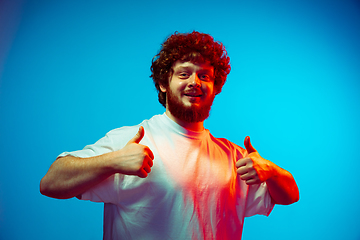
x: 139, y: 135
x: 248, y: 146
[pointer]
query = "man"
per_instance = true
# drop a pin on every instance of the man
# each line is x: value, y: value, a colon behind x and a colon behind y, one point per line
x: 168, y: 177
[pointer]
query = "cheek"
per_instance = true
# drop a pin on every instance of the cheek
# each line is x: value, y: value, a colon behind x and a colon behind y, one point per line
x: 209, y: 88
x: 181, y: 84
x: 178, y: 86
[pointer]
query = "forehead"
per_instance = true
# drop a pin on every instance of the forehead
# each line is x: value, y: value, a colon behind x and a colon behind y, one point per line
x: 199, y: 66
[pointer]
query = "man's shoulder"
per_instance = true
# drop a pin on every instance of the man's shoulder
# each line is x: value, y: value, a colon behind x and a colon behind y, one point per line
x: 223, y: 142
x: 132, y: 129
x: 220, y: 141
x: 123, y: 131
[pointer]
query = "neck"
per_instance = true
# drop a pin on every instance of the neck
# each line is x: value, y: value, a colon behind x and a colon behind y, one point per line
x: 193, y: 126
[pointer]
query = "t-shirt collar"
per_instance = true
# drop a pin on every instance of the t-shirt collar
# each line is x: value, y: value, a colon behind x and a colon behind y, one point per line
x: 181, y: 130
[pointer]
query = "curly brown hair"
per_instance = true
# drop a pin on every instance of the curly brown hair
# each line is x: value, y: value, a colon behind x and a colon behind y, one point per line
x: 195, y: 47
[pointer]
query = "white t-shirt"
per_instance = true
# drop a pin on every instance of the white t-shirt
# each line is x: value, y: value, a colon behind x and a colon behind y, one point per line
x: 192, y: 192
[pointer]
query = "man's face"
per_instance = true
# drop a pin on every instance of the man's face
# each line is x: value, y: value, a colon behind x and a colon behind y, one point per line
x: 190, y: 93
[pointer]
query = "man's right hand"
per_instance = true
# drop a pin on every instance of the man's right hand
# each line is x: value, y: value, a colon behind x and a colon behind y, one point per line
x: 134, y: 158
x: 71, y: 176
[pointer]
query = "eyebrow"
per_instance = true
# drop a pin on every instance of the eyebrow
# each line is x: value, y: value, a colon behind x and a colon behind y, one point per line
x: 183, y: 68
x: 186, y: 68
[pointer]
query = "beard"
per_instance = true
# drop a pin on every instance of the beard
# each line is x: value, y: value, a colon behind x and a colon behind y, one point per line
x: 192, y: 113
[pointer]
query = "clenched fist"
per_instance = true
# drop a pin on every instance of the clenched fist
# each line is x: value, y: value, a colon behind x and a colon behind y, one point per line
x: 253, y: 169
x: 135, y: 158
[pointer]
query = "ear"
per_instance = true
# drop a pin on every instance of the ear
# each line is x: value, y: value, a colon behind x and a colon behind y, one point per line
x: 162, y: 88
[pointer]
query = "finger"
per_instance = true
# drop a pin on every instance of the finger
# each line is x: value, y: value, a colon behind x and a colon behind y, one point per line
x: 150, y: 153
x: 245, y: 176
x: 147, y: 169
x: 242, y: 162
x: 242, y: 170
x: 142, y: 173
x: 139, y: 135
x: 252, y: 181
x: 249, y: 178
x: 150, y: 162
x: 248, y: 174
x: 248, y: 146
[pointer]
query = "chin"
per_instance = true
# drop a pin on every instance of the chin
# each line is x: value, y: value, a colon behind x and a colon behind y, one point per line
x: 188, y: 111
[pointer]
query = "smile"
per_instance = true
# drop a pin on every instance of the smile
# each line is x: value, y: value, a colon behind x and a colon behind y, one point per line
x: 193, y: 94
x: 188, y: 95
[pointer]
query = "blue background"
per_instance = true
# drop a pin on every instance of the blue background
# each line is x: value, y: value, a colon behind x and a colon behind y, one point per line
x: 73, y: 70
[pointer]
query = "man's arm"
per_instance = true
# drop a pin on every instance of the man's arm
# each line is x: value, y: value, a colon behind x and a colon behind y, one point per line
x: 282, y: 187
x: 254, y: 169
x: 71, y: 176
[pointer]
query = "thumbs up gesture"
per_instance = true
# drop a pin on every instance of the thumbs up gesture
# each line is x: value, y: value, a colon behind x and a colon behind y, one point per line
x: 134, y: 158
x: 253, y: 169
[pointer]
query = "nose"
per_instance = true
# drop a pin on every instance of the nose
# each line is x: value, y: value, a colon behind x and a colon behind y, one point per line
x: 194, y: 81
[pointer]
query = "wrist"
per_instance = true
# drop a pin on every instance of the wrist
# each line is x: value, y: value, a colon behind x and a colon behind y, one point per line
x: 110, y: 162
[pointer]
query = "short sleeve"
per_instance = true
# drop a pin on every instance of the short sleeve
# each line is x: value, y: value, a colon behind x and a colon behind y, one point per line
x: 102, y: 146
x: 106, y: 191
x: 112, y: 141
x: 258, y: 200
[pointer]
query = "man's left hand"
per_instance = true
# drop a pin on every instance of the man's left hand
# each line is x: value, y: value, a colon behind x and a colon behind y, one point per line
x: 253, y: 169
